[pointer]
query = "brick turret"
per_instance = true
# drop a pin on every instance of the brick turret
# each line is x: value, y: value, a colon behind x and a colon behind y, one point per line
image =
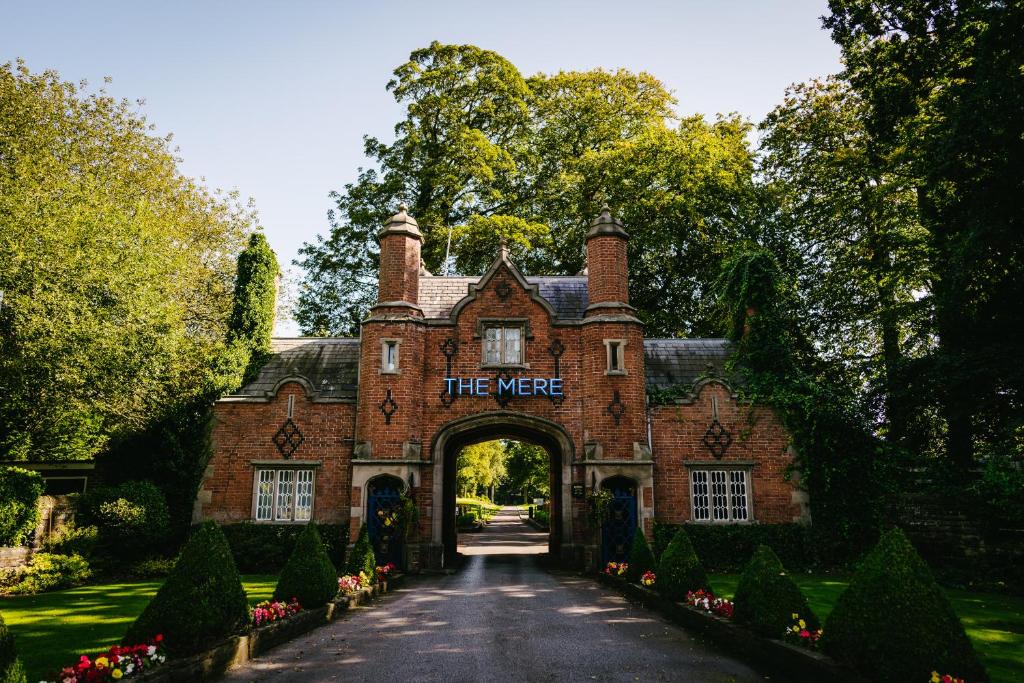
x: 399, y: 278
x: 607, y: 270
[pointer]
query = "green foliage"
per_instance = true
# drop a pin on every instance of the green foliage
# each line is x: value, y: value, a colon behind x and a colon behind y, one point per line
x: 73, y: 540
x: 1000, y: 490
x: 767, y: 598
x: 894, y: 623
x: 840, y: 462
x: 19, y: 510
x: 251, y: 324
x: 679, y: 570
x: 363, y: 558
x: 724, y: 547
x: 11, y: 670
x: 484, y: 153
x: 132, y: 517
x: 202, y: 601
x: 309, y: 574
x: 117, y: 295
x: 265, y: 548
x: 641, y: 559
x: 152, y: 568
x: 529, y: 469
x: 480, y: 465
x: 49, y: 572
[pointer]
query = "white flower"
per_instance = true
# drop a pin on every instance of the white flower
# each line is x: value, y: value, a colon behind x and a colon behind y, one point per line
x: 151, y: 651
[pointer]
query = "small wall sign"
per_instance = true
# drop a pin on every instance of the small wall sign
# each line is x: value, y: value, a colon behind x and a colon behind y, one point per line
x: 512, y: 386
x: 577, y: 490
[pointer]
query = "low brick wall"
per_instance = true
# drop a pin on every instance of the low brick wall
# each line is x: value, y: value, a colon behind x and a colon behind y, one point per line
x: 789, y: 662
x: 238, y: 650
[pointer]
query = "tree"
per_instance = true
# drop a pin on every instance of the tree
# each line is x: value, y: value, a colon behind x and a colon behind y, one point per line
x: 943, y: 91
x: 481, y: 465
x: 117, y: 269
x: 483, y: 153
x: 251, y: 324
x: 529, y: 470
x: 852, y: 220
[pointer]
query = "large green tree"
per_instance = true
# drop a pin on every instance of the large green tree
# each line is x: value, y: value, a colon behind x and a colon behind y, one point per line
x: 485, y: 153
x: 117, y: 276
x: 944, y: 89
x: 850, y: 224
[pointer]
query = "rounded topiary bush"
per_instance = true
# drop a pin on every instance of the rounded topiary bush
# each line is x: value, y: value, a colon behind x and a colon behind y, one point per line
x: 308, y: 576
x: 641, y: 559
x: 11, y: 670
x: 202, y: 601
x: 363, y: 558
x: 767, y: 597
x: 132, y: 517
x: 680, y: 571
x: 894, y: 623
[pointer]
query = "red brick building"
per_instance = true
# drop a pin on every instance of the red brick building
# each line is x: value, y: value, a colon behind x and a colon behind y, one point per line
x: 338, y: 429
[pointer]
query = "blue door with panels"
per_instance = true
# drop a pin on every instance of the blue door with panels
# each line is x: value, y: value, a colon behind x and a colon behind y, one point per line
x: 384, y: 519
x: 619, y: 523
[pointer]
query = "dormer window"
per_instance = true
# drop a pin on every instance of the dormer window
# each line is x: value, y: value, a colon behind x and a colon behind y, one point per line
x: 389, y: 356
x: 503, y: 345
x: 616, y: 357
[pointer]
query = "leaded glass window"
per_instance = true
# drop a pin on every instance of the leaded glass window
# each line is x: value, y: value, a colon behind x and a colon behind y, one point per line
x: 503, y: 345
x: 719, y: 495
x: 283, y: 495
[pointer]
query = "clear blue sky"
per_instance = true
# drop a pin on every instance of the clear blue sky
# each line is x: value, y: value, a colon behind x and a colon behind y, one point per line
x: 273, y: 98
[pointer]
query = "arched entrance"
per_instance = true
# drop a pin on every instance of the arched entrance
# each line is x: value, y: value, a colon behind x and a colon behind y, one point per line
x: 455, y: 435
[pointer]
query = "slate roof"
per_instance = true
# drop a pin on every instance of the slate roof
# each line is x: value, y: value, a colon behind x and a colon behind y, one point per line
x: 566, y: 294
x: 329, y: 364
x: 669, y: 362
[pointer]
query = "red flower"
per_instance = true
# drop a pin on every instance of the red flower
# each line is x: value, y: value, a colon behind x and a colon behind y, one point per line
x: 159, y: 637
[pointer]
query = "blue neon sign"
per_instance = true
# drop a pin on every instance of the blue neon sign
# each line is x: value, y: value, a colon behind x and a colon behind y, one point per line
x: 513, y: 386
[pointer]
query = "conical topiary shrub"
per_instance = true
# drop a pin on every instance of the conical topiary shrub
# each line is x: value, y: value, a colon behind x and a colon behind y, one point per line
x: 679, y: 571
x: 202, y: 601
x: 362, y: 558
x: 767, y: 597
x: 641, y: 559
x: 894, y: 623
x: 308, y: 576
x: 11, y: 670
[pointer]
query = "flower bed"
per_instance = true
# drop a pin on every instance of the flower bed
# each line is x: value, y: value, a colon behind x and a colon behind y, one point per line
x: 616, y: 568
x: 119, y: 661
x: 706, y: 600
x: 799, y: 634
x: 272, y: 610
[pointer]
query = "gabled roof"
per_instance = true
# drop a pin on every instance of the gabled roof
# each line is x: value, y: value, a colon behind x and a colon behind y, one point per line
x: 673, y: 362
x: 327, y: 366
x: 567, y: 294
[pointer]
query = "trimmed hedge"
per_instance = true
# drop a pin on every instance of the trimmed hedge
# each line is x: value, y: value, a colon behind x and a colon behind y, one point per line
x: 265, y: 548
x: 49, y: 572
x: 132, y: 518
x: 309, y: 575
x: 767, y: 598
x: 202, y: 601
x: 641, y: 559
x: 726, y: 547
x: 894, y: 623
x: 19, y: 504
x: 11, y: 670
x: 679, y: 570
x: 363, y: 558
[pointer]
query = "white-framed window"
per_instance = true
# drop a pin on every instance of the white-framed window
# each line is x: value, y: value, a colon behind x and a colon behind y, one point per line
x: 389, y: 349
x: 503, y: 345
x: 616, y: 356
x: 283, y: 495
x: 720, y: 495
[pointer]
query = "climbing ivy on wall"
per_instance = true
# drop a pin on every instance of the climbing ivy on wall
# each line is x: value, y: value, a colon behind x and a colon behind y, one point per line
x: 840, y: 461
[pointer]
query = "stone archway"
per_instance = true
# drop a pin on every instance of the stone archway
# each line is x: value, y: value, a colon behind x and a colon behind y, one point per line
x: 453, y: 436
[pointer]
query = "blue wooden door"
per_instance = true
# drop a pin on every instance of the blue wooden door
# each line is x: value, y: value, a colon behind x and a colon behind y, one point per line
x: 384, y: 520
x: 620, y: 522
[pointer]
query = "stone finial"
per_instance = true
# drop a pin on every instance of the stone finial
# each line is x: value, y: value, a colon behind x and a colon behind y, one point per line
x: 503, y: 249
x: 401, y: 224
x: 606, y: 224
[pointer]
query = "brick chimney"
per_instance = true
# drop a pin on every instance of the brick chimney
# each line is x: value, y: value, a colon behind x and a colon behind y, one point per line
x: 607, y: 268
x: 399, y: 276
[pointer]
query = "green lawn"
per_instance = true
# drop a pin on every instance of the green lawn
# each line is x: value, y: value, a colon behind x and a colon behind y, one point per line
x: 53, y: 629
x: 995, y: 623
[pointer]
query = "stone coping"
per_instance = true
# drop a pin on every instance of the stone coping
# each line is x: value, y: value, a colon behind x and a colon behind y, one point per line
x: 790, y: 662
x: 240, y: 649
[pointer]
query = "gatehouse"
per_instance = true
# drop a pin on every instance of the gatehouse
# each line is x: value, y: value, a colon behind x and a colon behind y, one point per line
x: 367, y: 430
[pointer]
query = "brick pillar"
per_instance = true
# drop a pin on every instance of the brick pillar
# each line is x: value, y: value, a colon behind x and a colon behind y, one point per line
x: 399, y: 276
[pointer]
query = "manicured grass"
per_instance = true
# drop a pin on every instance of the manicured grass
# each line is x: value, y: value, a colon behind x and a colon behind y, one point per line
x: 994, y: 623
x: 52, y: 630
